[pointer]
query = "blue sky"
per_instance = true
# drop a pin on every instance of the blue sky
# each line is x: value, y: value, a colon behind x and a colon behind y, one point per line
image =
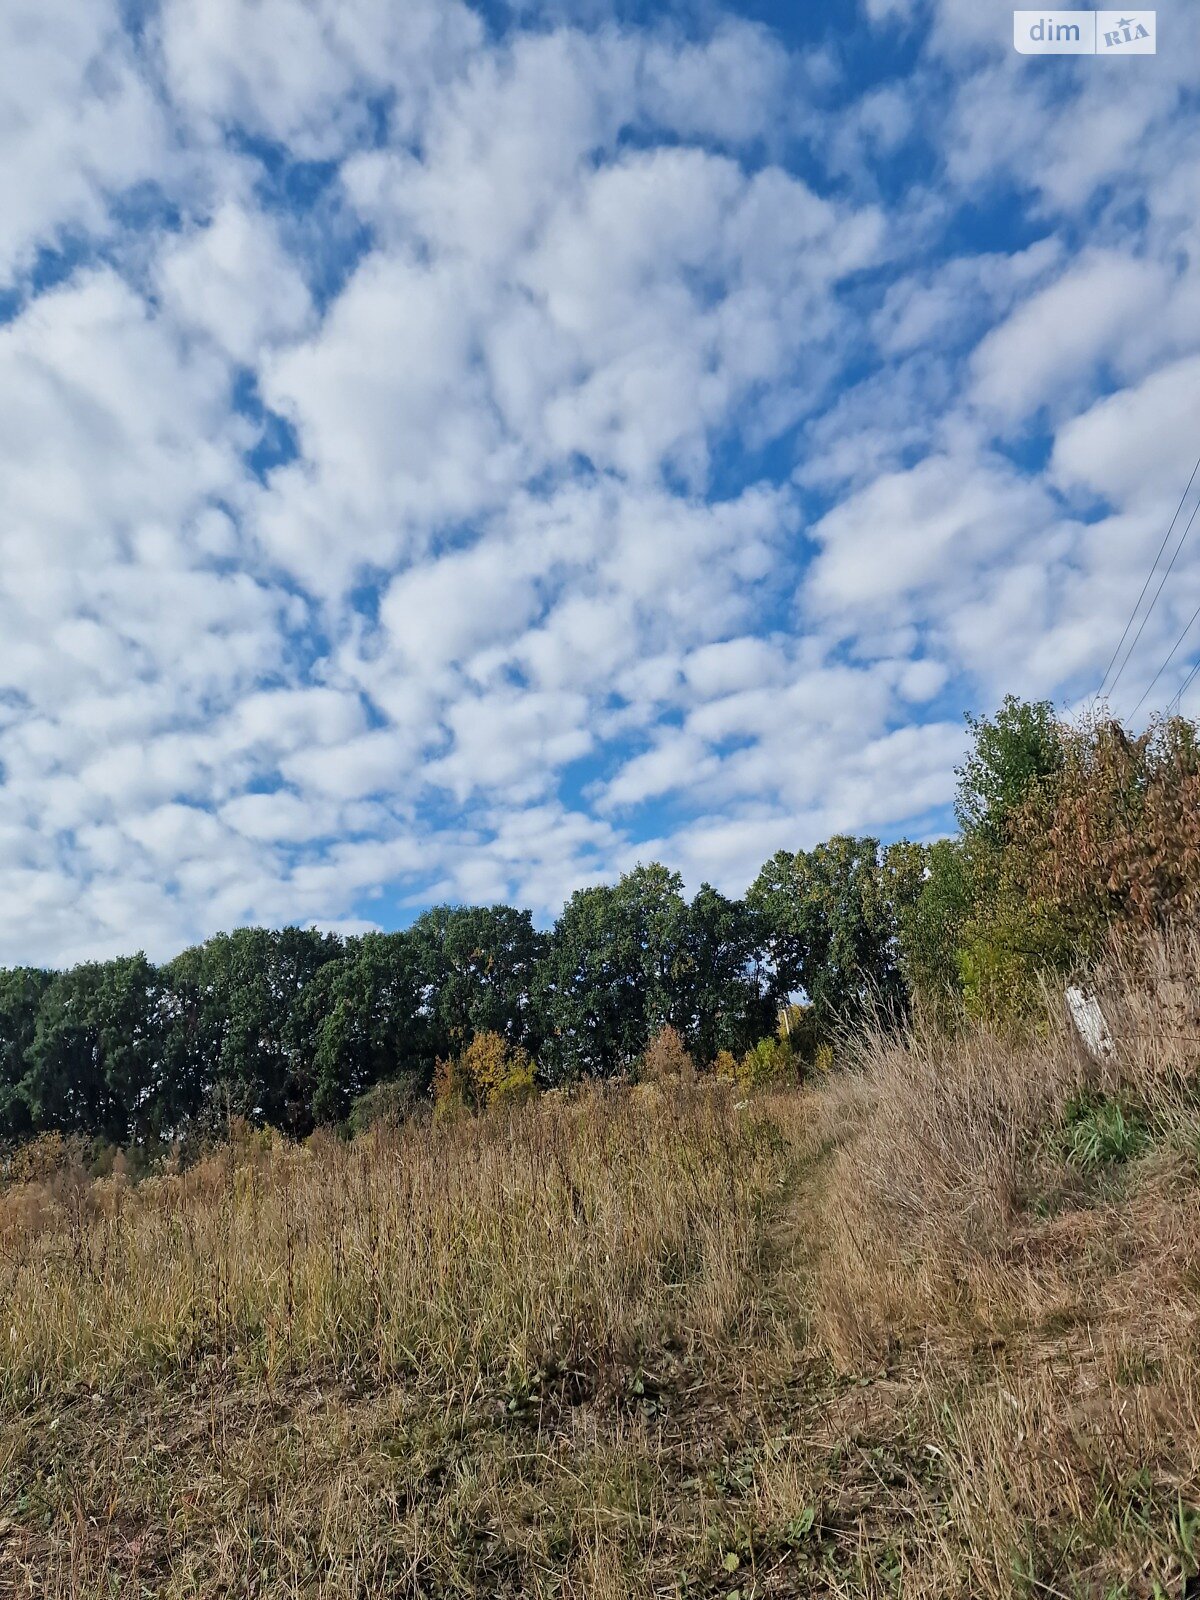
x: 454, y: 452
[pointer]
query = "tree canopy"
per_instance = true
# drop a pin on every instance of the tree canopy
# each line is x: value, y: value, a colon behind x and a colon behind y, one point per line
x: 1066, y: 832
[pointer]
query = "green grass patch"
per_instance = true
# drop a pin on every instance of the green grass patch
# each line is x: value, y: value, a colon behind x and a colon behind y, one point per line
x: 1099, y: 1131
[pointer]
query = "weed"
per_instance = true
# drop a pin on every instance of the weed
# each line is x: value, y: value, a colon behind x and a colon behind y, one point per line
x: 1101, y: 1132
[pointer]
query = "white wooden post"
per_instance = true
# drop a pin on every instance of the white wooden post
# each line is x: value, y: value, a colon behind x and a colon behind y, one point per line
x: 1090, y: 1025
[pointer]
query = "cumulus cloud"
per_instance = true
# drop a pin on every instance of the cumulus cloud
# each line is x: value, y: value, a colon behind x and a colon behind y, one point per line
x: 1135, y: 445
x: 304, y: 74
x: 908, y: 532
x: 79, y: 124
x: 456, y: 456
x: 232, y: 280
x: 661, y: 292
x: 1059, y: 336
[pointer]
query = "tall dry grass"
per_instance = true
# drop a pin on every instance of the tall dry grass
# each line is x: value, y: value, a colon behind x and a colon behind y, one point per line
x: 575, y: 1234
x: 943, y: 1141
x: 431, y: 1362
x: 1017, y: 1227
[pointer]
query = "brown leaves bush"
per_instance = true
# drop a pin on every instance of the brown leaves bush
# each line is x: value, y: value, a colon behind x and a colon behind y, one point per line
x: 1115, y: 840
x: 666, y: 1059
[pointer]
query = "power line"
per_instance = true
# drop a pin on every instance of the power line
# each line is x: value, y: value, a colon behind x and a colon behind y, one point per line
x: 1154, y: 565
x: 1161, y: 582
x: 1177, y: 697
x: 1188, y: 629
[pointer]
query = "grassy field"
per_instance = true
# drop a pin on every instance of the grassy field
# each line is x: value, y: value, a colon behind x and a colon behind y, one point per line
x: 931, y: 1328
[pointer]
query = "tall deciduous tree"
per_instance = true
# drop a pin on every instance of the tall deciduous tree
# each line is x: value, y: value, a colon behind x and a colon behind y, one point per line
x: 1012, y: 753
x: 21, y: 992
x: 96, y: 1059
x: 931, y: 889
x: 233, y: 1003
x: 362, y: 1019
x: 831, y: 928
x: 616, y: 971
x: 730, y: 998
x: 477, y: 966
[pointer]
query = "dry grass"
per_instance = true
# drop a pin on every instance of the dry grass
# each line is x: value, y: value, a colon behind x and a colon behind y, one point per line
x: 405, y: 1361
x: 578, y: 1235
x: 1020, y: 1227
x: 930, y: 1331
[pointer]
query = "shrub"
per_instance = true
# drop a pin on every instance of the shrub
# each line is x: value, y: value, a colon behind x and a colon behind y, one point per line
x: 1117, y: 840
x: 450, y: 1086
x: 1108, y: 844
x: 388, y: 1104
x: 666, y: 1059
x: 518, y: 1085
x: 771, y: 1063
x: 47, y: 1155
x: 725, y: 1067
x: 998, y: 973
x: 489, y: 1072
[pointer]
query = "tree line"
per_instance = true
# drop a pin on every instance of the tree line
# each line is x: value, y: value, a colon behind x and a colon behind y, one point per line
x: 1064, y: 832
x: 289, y: 1026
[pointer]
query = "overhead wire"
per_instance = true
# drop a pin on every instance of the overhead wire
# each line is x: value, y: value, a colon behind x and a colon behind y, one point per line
x: 1177, y: 697
x: 1161, y: 582
x: 1153, y: 568
x: 1188, y: 626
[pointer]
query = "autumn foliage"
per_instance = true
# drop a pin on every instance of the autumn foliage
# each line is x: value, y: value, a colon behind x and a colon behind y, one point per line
x: 488, y: 1072
x: 666, y: 1059
x: 1114, y: 842
x: 1075, y: 838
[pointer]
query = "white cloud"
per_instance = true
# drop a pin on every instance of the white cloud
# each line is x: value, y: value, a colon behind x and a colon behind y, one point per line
x: 379, y: 762
x: 279, y: 817
x: 677, y: 760
x: 442, y: 612
x: 882, y: 784
x: 624, y: 320
x: 232, y: 280
x: 509, y: 742
x: 1063, y: 136
x: 635, y: 475
x: 297, y: 72
x: 1057, y: 338
x: 109, y: 424
x: 733, y: 664
x: 78, y: 123
x: 914, y: 530
x: 1136, y: 446
x: 937, y: 311
x: 394, y: 424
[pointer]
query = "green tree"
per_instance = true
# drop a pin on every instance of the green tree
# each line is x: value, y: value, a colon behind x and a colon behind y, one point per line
x: 1018, y: 748
x: 1001, y: 935
x: 21, y: 992
x: 931, y: 889
x: 96, y: 1057
x: 234, y: 1040
x: 360, y: 1020
x: 831, y: 929
x: 727, y: 1000
x: 616, y: 970
x: 477, y: 966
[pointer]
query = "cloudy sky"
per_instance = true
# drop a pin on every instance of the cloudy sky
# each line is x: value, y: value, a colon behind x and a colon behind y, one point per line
x: 455, y: 451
